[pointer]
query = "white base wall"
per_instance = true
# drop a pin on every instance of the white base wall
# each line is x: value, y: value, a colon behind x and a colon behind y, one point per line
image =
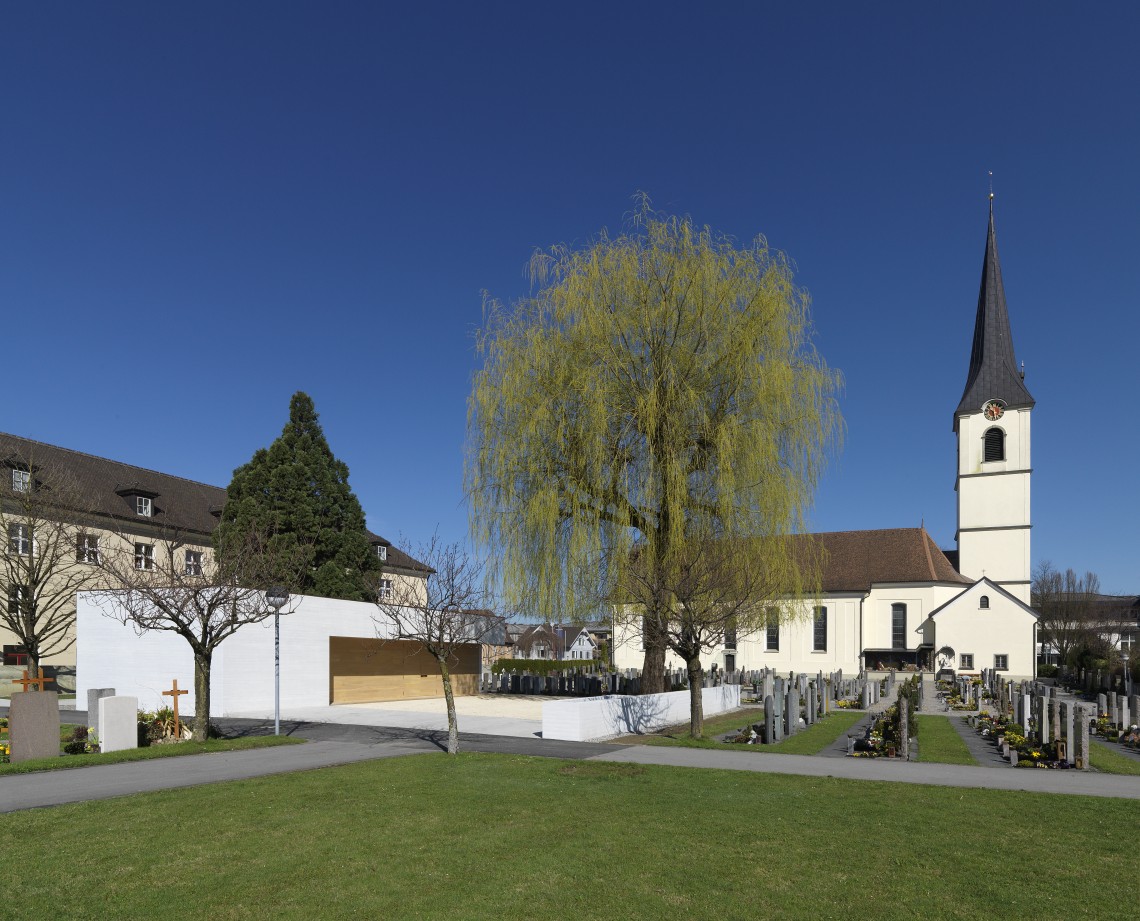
x: 112, y: 655
x: 605, y: 717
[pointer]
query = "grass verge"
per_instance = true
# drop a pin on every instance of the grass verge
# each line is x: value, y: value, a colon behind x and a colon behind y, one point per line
x: 1107, y: 761
x: 810, y: 741
x: 939, y: 742
x: 65, y: 762
x: 508, y: 837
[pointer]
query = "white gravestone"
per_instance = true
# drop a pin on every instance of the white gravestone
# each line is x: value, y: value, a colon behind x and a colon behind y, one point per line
x: 119, y: 723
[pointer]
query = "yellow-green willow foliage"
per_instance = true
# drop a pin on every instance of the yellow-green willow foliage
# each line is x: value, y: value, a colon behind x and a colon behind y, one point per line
x: 658, y: 389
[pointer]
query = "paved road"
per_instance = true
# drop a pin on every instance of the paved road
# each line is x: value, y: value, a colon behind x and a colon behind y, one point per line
x: 333, y: 744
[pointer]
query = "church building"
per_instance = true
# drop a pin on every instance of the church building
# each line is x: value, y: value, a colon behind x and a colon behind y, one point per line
x: 891, y: 598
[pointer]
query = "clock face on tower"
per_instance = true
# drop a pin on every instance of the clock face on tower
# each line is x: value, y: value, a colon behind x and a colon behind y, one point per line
x: 993, y: 410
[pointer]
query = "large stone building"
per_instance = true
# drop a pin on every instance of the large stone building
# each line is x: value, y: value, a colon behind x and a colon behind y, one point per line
x: 63, y: 511
x: 892, y: 598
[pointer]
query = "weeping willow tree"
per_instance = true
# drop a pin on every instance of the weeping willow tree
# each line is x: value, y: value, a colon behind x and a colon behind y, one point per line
x: 657, y: 391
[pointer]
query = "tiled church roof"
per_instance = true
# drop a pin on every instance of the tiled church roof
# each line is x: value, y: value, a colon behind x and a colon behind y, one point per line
x: 855, y: 560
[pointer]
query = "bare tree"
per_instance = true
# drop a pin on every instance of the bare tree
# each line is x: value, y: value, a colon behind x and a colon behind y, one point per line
x: 721, y: 588
x: 1068, y: 606
x: 444, y: 613
x: 47, y: 559
x: 178, y: 588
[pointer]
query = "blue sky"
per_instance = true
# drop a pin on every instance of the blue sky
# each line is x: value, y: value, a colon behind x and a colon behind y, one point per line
x: 206, y: 207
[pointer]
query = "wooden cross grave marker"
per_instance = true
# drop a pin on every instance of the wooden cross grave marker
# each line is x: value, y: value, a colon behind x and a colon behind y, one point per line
x: 175, y: 693
x: 25, y: 681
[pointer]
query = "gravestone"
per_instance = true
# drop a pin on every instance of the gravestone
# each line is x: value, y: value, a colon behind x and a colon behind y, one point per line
x: 865, y: 699
x: 1101, y: 704
x: 769, y: 720
x: 904, y: 729
x: 812, y: 704
x: 791, y: 712
x: 93, y: 697
x: 1125, y: 716
x: 778, y: 718
x: 1042, y: 717
x: 1134, y: 706
x: 1055, y: 718
x: 33, y: 725
x: 118, y: 719
x: 1081, y: 759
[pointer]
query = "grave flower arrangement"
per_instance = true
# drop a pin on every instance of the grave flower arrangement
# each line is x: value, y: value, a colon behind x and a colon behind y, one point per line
x: 5, y: 745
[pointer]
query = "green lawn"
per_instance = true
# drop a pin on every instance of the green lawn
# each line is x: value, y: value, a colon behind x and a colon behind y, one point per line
x: 810, y: 741
x: 939, y: 742
x: 65, y: 762
x: 507, y: 837
x: 1110, y: 762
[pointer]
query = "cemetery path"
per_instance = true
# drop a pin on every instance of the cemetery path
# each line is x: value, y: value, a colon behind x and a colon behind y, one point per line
x: 1123, y: 750
x: 1078, y: 783
x: 985, y: 753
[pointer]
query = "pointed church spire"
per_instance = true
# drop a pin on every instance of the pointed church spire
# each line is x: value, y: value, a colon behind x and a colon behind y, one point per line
x: 993, y: 373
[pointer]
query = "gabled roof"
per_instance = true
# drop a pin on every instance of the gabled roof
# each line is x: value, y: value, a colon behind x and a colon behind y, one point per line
x: 983, y: 581
x: 855, y: 560
x: 993, y: 373
x: 107, y: 489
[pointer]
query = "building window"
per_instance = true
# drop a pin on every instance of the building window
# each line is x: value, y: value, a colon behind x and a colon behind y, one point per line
x: 86, y: 548
x: 144, y: 556
x: 994, y: 445
x: 16, y: 596
x: 19, y: 539
x: 730, y: 663
x: 144, y: 506
x: 381, y: 552
x: 820, y: 644
x: 730, y: 637
x: 966, y: 660
x: 15, y: 655
x: 21, y: 481
x: 898, y: 626
x: 984, y: 602
x: 193, y: 562
x: 773, y: 633
x: 1001, y: 663
x: 385, y: 592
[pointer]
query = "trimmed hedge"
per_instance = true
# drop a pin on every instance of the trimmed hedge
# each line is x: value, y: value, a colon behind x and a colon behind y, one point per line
x: 545, y: 666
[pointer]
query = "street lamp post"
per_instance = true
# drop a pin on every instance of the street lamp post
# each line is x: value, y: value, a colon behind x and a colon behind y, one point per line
x: 277, y: 597
x: 1127, y: 677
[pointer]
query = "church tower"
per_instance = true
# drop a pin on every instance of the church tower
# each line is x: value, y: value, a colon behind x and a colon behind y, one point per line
x: 992, y: 425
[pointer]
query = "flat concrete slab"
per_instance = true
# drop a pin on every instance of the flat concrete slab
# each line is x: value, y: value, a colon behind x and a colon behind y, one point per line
x: 485, y: 714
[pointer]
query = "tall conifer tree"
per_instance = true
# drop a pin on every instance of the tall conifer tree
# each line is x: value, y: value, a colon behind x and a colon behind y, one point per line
x: 298, y: 492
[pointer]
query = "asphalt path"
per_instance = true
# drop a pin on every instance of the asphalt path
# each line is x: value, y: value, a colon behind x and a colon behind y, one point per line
x: 331, y: 744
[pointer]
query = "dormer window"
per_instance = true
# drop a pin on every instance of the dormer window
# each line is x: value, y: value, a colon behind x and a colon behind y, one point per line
x: 994, y: 449
x: 21, y: 481
x: 381, y: 552
x: 984, y: 603
x: 144, y: 506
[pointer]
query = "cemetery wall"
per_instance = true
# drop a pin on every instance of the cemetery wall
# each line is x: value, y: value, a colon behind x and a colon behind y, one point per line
x: 605, y: 717
x: 110, y: 654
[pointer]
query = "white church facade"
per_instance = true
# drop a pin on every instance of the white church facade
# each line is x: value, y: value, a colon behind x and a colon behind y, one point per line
x: 892, y: 598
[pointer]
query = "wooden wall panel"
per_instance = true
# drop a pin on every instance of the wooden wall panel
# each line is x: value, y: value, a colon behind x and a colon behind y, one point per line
x: 362, y: 670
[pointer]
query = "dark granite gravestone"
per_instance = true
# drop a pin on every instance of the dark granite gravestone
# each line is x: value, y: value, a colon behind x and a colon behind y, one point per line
x: 769, y: 720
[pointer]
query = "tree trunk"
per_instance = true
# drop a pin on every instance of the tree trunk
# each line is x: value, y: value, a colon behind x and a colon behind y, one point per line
x: 653, y: 668
x: 449, y: 696
x: 202, y: 662
x: 33, y: 667
x: 696, y: 699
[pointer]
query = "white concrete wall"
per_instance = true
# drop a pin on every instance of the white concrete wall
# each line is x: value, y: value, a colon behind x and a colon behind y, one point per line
x: 109, y: 654
x: 619, y: 714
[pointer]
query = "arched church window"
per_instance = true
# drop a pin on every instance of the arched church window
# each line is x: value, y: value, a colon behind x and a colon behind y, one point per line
x: 984, y: 603
x: 994, y: 445
x: 898, y: 626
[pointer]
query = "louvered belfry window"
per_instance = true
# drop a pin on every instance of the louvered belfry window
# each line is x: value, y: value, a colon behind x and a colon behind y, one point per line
x: 995, y: 445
